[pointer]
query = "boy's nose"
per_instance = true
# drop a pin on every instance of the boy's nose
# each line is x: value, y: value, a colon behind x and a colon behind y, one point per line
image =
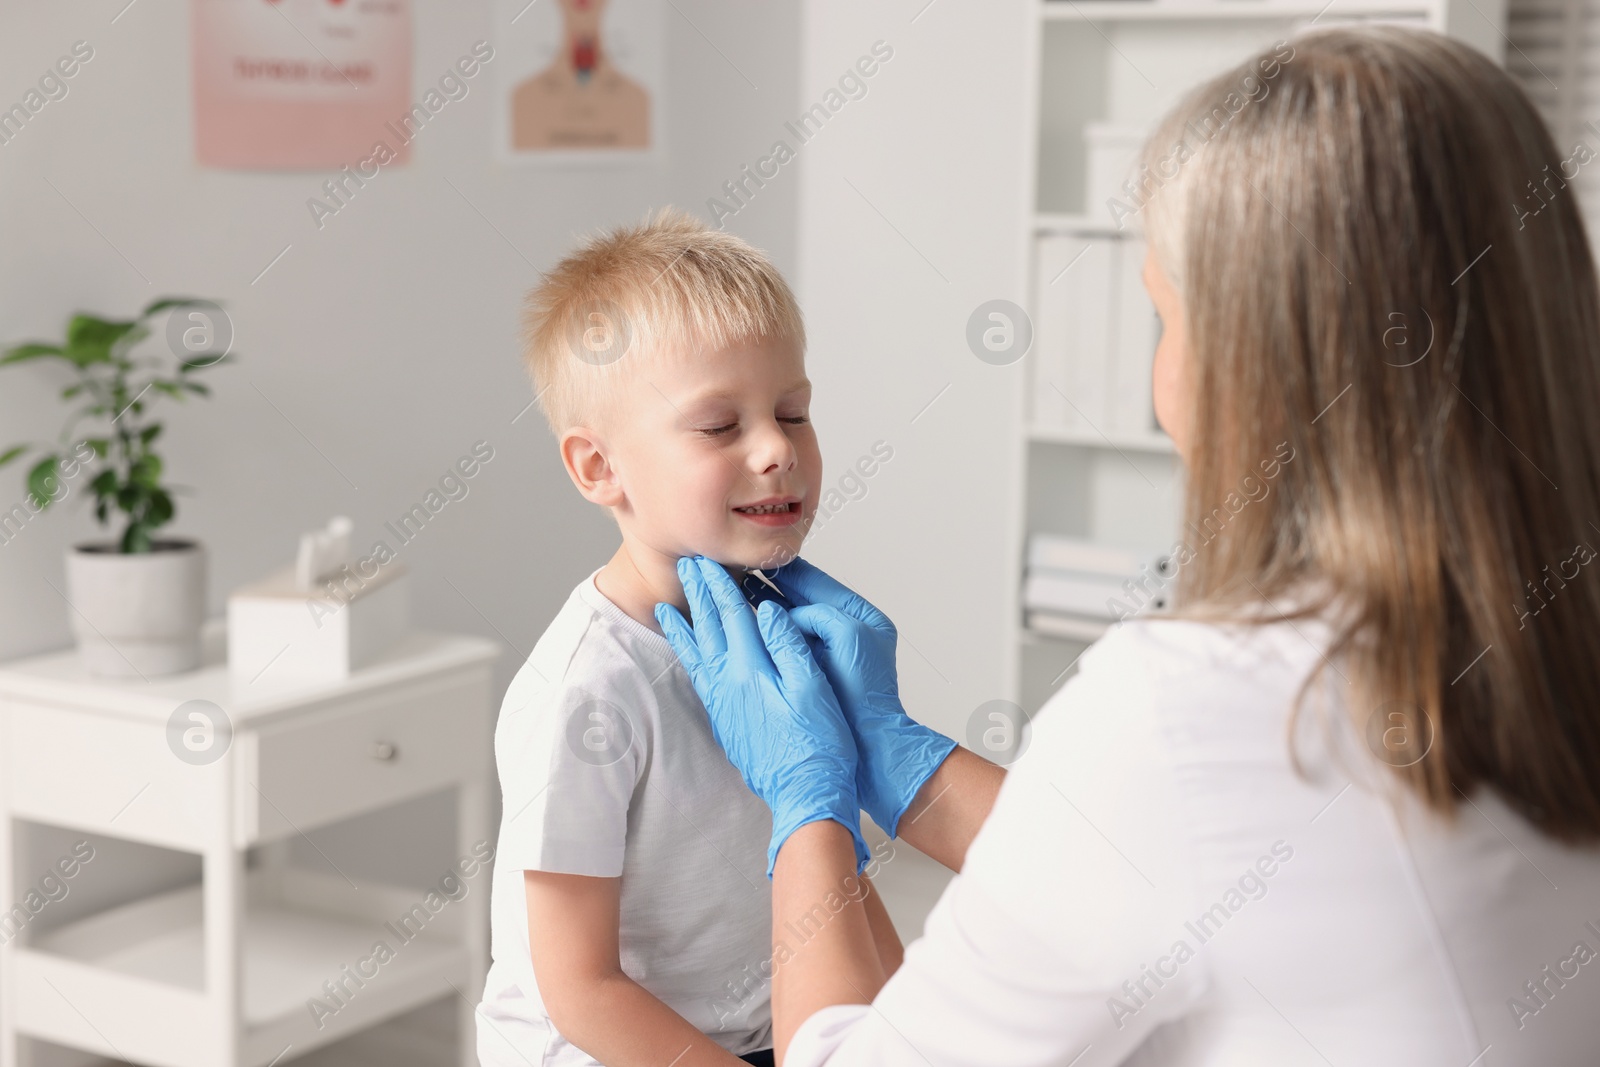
x: 772, y: 451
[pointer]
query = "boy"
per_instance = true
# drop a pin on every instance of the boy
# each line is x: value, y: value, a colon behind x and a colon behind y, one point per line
x: 631, y: 906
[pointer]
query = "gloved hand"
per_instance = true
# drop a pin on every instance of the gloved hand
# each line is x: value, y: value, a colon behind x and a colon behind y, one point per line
x: 855, y: 645
x: 770, y: 705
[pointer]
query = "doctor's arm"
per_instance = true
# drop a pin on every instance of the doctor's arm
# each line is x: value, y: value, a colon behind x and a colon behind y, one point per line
x: 913, y: 781
x: 838, y: 965
x: 951, y: 807
x: 885, y: 938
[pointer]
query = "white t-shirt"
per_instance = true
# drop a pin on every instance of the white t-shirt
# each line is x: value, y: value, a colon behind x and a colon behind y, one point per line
x: 608, y: 768
x: 1156, y: 885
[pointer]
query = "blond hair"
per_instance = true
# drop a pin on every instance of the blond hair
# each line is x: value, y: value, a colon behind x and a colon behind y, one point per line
x: 1447, y: 478
x: 671, y: 283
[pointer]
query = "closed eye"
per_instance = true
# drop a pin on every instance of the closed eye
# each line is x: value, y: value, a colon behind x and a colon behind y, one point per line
x: 718, y: 431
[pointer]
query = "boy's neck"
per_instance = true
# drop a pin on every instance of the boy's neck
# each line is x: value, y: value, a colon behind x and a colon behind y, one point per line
x: 638, y: 578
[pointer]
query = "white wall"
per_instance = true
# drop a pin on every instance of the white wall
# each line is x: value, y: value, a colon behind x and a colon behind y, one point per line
x: 375, y: 352
x: 911, y: 215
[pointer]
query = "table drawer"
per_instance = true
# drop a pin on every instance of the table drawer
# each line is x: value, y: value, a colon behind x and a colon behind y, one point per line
x: 98, y: 773
x: 329, y: 765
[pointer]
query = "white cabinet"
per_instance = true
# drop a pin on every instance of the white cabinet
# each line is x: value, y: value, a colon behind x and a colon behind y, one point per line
x: 261, y: 961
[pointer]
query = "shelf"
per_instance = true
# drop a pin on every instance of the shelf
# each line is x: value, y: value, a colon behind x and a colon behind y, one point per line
x: 1092, y: 225
x: 1224, y: 10
x: 1042, y: 626
x: 129, y: 966
x: 1061, y: 435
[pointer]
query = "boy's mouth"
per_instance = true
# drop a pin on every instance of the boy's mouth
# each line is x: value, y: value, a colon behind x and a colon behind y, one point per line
x: 776, y: 511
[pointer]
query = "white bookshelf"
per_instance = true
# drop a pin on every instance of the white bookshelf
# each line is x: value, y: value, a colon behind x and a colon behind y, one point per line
x: 1126, y: 62
x: 1185, y: 11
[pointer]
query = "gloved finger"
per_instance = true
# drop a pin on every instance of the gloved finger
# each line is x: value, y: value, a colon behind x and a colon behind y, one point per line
x: 738, y: 626
x: 679, y: 636
x: 787, y: 646
x: 703, y: 611
x: 807, y: 584
x: 820, y: 646
x: 794, y: 579
x: 824, y: 622
x: 791, y: 590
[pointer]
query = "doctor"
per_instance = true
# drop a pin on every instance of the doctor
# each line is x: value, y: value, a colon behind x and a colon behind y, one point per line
x: 1342, y: 808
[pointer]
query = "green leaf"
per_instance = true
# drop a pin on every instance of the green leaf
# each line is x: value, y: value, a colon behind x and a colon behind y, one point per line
x: 12, y: 453
x: 71, y: 391
x: 166, y: 302
x: 92, y: 340
x: 160, y: 511
x: 170, y: 388
x: 146, y: 471
x: 202, y: 361
x: 88, y: 354
x: 149, y: 433
x: 33, y: 350
x: 100, y: 445
x: 43, y: 481
x: 196, y: 387
x: 90, y: 331
x: 100, y: 510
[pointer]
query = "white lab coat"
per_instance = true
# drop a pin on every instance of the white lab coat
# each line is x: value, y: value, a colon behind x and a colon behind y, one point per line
x: 1157, y: 885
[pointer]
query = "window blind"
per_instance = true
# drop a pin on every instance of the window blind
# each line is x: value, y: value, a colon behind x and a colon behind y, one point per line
x: 1553, y: 50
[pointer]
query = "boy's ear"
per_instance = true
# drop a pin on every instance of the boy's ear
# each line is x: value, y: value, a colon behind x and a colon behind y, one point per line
x: 583, y: 452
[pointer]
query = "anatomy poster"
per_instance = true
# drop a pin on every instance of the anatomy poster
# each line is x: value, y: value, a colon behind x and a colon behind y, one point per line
x: 298, y: 84
x: 580, y: 80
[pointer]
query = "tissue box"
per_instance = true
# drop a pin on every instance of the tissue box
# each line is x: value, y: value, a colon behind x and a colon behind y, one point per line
x: 279, y: 635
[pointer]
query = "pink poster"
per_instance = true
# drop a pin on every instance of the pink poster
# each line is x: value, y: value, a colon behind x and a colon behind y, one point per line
x: 298, y: 84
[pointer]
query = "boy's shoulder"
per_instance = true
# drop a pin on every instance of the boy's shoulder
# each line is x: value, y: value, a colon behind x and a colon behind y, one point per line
x: 584, y: 654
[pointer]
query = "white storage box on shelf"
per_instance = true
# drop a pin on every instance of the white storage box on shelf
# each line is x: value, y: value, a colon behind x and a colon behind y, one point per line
x: 1112, y: 149
x: 281, y: 636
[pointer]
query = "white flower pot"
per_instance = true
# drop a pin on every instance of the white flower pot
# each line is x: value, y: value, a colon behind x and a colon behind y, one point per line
x: 137, y: 614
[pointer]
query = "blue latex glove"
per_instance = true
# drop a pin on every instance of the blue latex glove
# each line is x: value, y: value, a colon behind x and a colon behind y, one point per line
x: 855, y: 645
x: 770, y: 705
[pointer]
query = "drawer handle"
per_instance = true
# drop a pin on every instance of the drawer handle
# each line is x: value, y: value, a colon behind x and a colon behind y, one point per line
x: 384, y: 751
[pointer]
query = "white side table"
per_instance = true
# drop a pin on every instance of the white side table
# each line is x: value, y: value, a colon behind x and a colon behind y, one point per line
x: 223, y: 973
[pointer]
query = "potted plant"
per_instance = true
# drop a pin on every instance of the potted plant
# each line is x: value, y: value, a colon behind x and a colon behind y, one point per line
x: 136, y: 602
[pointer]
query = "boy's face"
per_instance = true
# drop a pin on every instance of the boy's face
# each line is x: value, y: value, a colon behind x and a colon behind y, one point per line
x: 699, y: 439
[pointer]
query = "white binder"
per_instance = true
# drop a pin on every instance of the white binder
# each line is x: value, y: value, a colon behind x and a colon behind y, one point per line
x: 1073, y: 300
